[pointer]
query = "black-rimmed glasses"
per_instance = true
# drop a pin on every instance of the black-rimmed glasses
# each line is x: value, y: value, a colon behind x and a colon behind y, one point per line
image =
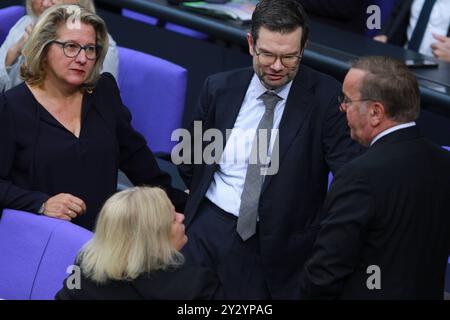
x: 268, y: 59
x: 72, y: 49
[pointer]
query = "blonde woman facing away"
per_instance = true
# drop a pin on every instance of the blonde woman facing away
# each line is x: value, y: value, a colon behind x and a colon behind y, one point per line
x: 11, y: 50
x: 134, y: 253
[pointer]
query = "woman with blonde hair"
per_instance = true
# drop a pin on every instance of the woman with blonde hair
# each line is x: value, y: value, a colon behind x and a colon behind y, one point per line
x: 65, y: 132
x: 135, y: 253
x: 11, y: 50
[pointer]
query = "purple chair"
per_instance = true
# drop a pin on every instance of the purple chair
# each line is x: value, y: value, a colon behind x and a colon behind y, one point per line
x: 35, y: 252
x: 169, y: 26
x: 154, y: 91
x: 8, y: 18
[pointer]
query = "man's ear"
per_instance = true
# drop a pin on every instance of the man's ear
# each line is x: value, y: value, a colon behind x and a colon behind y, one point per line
x: 250, y: 44
x: 377, y: 113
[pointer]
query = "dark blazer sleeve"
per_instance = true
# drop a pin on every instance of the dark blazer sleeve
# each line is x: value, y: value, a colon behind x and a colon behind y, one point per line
x: 136, y: 159
x: 186, y: 170
x: 347, y: 214
x: 12, y: 196
x: 339, y: 148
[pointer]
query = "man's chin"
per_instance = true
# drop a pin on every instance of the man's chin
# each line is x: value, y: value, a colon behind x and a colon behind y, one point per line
x: 274, y: 84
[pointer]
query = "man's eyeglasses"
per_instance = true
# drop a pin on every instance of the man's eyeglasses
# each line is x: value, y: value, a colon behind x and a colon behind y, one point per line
x: 345, y: 102
x: 268, y: 59
x: 73, y: 49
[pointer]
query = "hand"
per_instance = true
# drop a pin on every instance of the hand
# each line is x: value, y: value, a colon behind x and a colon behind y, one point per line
x: 441, y: 49
x: 381, y: 38
x: 64, y: 206
x: 16, y: 50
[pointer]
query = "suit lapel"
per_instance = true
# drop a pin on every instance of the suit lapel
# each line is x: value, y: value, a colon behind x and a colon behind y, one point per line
x: 299, y: 104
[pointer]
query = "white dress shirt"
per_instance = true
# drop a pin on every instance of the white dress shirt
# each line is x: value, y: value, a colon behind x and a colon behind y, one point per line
x: 438, y: 23
x: 10, y: 76
x: 392, y: 129
x: 228, y: 182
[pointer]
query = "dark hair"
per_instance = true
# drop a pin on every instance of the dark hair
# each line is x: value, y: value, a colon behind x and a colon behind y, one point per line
x: 392, y: 83
x: 282, y: 16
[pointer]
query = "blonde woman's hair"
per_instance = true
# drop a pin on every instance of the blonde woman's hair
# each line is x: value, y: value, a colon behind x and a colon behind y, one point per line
x: 132, y: 236
x: 33, y: 69
x: 88, y: 4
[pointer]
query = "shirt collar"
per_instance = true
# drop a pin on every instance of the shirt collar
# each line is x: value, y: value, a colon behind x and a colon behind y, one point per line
x: 392, y: 129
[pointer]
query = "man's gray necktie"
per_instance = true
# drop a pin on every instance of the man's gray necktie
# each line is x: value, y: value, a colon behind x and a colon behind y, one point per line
x: 248, y: 211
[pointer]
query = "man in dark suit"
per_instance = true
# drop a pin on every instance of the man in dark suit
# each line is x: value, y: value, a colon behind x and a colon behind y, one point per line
x: 425, y: 21
x: 385, y: 233
x: 256, y: 229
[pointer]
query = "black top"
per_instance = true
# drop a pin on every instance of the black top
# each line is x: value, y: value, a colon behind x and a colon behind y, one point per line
x: 184, y: 283
x: 41, y: 158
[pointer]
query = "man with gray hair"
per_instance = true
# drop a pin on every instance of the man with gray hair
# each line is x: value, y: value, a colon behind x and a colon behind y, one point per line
x: 385, y: 230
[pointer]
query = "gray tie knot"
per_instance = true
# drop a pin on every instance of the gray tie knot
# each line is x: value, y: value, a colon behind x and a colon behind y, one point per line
x: 270, y: 100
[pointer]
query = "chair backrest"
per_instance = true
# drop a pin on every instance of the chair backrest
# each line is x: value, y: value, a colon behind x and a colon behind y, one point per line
x: 154, y: 91
x: 35, y: 252
x: 8, y: 18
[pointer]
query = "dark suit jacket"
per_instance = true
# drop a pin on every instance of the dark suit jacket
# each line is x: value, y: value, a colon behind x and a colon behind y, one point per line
x: 390, y: 208
x: 396, y: 26
x: 185, y: 283
x: 313, y: 139
x: 40, y: 158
